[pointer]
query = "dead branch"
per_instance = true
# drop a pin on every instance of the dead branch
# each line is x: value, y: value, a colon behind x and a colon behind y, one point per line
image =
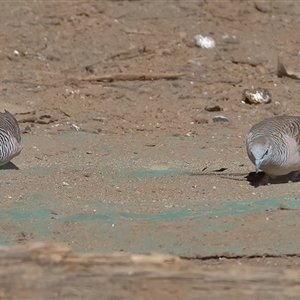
x: 134, y: 31
x: 252, y: 63
x: 28, y: 82
x: 132, y: 76
x: 123, y: 55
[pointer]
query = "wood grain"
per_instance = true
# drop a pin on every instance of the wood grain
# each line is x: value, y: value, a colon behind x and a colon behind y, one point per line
x: 41, y: 271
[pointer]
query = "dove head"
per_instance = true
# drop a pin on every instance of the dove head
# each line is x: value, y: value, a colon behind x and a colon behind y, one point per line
x: 259, y: 151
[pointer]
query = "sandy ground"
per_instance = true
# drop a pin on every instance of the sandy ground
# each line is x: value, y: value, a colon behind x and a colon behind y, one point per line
x: 122, y: 165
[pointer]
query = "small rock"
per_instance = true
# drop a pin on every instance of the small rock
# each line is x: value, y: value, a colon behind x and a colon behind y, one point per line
x: 263, y: 6
x: 220, y: 119
x: 27, y: 128
x: 46, y: 119
x: 195, y: 62
x: 256, y: 96
x: 176, y: 84
x: 205, y: 42
x: 27, y: 120
x: 230, y: 40
x: 213, y: 107
x: 200, y: 120
x: 50, y: 154
x: 74, y: 127
x: 261, y: 69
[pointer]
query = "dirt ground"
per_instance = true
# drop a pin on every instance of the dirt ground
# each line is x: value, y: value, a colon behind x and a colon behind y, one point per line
x: 139, y: 165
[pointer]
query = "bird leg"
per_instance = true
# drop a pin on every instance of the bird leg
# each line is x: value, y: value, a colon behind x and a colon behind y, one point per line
x: 264, y: 180
x: 294, y: 176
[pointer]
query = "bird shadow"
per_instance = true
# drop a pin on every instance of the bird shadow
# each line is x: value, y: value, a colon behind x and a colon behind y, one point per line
x: 9, y: 166
x: 253, y: 178
x: 257, y: 179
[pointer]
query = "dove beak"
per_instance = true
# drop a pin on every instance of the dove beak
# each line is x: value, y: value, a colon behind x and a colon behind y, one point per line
x: 257, y: 164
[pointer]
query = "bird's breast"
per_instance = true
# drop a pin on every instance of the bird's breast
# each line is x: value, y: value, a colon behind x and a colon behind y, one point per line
x: 283, y: 162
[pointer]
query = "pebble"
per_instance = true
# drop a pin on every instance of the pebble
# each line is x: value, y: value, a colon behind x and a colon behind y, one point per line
x: 205, y: 42
x: 220, y: 119
x: 256, y: 96
x: 213, y: 107
x: 200, y: 120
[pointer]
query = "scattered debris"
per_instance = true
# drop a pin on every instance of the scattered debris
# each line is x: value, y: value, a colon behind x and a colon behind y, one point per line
x: 31, y: 119
x: 220, y: 170
x: 27, y: 129
x: 122, y: 55
x: 190, y: 133
x: 74, y: 127
x: 220, y: 119
x: 134, y: 31
x: 46, y: 119
x: 283, y: 207
x: 132, y: 76
x: 64, y: 112
x: 93, y: 91
x: 261, y: 69
x: 195, y: 62
x: 248, y: 61
x: 256, y: 96
x: 50, y: 154
x: 72, y: 91
x: 205, y: 42
x: 15, y: 109
x: 23, y: 237
x: 230, y: 39
x: 213, y: 107
x: 225, y: 80
x: 200, y: 120
x: 263, y: 6
x: 283, y: 72
x: 36, y: 84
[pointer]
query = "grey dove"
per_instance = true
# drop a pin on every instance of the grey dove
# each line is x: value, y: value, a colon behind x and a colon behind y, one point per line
x: 273, y: 146
x: 10, y: 137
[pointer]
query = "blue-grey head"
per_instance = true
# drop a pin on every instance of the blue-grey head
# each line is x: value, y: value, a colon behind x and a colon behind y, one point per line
x: 259, y: 151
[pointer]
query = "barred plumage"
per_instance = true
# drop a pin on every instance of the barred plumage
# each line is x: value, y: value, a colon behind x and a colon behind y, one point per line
x: 273, y: 145
x: 10, y: 137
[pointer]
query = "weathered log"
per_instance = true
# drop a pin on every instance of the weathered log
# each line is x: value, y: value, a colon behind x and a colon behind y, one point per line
x: 40, y: 271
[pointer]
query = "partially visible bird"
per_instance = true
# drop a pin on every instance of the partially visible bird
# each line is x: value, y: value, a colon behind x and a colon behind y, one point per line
x: 10, y: 137
x: 273, y: 146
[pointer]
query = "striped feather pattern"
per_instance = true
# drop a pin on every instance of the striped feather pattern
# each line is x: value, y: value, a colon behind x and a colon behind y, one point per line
x: 276, y: 142
x: 278, y: 126
x: 10, y: 137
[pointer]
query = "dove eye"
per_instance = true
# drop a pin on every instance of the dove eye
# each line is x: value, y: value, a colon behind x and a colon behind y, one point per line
x: 267, y: 152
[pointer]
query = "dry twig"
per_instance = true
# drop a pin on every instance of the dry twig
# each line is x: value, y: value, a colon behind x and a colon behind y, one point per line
x: 132, y: 76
